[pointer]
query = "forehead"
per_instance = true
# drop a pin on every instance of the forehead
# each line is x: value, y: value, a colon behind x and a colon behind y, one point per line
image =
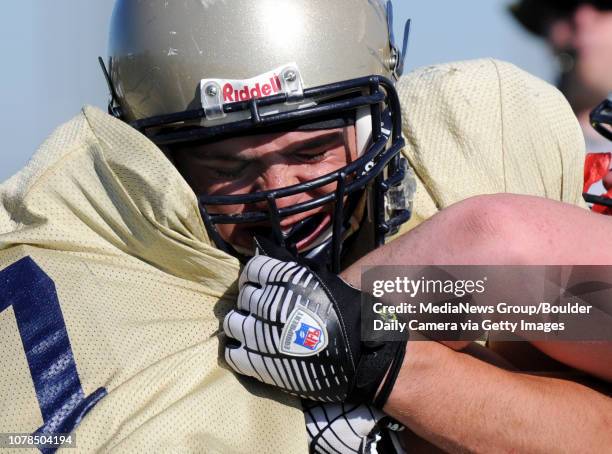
x: 276, y: 141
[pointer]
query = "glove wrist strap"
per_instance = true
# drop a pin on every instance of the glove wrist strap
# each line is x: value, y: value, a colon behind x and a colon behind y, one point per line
x: 378, y: 360
x: 393, y: 371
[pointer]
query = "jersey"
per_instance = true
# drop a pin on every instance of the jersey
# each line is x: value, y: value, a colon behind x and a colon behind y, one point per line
x: 486, y: 127
x: 112, y: 298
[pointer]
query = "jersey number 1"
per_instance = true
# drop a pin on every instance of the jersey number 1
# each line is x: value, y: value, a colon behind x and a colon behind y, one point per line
x: 32, y: 294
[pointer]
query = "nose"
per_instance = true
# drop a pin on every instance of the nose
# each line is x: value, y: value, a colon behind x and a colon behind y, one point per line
x: 278, y: 176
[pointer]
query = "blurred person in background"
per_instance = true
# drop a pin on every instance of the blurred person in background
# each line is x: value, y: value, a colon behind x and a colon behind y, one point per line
x: 580, y: 34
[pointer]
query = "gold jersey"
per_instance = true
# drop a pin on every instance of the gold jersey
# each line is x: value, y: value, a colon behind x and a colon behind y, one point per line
x: 111, y: 303
x: 486, y: 127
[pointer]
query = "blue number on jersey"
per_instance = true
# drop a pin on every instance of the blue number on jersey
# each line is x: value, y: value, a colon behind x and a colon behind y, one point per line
x: 32, y: 294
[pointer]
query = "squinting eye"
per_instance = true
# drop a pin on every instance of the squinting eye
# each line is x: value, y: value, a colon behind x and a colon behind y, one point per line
x: 227, y: 173
x: 313, y: 157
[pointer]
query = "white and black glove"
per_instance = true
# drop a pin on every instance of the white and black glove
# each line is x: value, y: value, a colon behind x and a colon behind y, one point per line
x: 349, y: 429
x: 298, y: 328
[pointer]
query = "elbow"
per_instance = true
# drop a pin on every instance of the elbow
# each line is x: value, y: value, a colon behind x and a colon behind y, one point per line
x: 494, y: 229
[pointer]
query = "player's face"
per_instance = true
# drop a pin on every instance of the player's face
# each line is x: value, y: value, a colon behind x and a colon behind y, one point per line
x: 245, y: 165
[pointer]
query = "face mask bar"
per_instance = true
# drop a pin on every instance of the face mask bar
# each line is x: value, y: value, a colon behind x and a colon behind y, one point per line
x: 601, y: 120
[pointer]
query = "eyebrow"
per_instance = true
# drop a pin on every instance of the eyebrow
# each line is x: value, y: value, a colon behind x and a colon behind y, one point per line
x: 317, y: 142
x: 308, y: 144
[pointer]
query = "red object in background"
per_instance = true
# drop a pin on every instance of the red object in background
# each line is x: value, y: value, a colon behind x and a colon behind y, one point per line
x: 596, y: 166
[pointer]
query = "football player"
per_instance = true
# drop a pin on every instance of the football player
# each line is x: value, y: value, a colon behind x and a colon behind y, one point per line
x: 121, y: 240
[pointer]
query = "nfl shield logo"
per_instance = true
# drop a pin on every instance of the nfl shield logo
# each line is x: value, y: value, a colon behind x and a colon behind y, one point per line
x: 308, y: 336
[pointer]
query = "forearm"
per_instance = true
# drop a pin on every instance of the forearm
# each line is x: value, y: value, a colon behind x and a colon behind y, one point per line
x: 511, y: 230
x: 463, y: 404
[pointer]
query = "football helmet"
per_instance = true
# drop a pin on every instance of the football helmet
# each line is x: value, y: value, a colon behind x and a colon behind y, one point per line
x: 192, y: 72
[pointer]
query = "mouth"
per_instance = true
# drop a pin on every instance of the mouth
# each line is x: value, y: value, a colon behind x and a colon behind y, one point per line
x: 302, y: 233
x: 316, y: 225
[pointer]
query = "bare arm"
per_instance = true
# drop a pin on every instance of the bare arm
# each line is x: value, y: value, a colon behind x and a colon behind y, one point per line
x: 509, y: 229
x: 461, y: 403
x: 501, y: 229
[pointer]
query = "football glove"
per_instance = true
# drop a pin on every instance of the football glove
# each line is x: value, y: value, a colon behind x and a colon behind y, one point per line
x: 298, y: 327
x: 349, y: 429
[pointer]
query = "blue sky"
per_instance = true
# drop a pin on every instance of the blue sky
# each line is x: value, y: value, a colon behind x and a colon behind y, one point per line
x: 50, y: 51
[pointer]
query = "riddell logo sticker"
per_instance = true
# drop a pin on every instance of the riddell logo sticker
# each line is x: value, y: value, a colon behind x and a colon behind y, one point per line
x: 304, y: 333
x: 244, y: 92
x: 234, y: 90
